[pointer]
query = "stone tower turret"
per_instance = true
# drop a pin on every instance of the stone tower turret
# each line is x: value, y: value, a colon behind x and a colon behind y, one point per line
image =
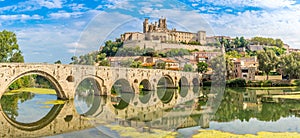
x: 145, y: 25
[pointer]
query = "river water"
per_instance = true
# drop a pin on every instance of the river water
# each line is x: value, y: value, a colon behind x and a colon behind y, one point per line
x: 152, y: 113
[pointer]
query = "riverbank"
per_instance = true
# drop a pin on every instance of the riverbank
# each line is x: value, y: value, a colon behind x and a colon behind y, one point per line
x: 266, y: 83
x: 32, y: 90
x: 217, y: 134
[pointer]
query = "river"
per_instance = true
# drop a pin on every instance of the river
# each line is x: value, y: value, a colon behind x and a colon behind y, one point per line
x: 178, y: 113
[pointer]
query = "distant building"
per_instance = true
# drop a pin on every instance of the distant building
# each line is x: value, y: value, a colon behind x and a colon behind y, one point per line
x: 169, y: 64
x: 158, y: 36
x: 255, y: 47
x: 201, y: 56
x: 159, y: 32
x: 294, y: 50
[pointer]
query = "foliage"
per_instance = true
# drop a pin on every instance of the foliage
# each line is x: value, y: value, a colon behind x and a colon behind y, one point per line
x: 9, y: 103
x: 111, y: 48
x: 57, y: 62
x: 30, y: 81
x: 160, y: 65
x: 290, y: 65
x: 233, y: 54
x: 194, y: 43
x: 87, y: 59
x: 236, y: 83
x: 278, y: 50
x: 136, y: 64
x: 267, y: 61
x: 25, y: 81
x: 104, y: 63
x: 240, y: 42
x: 202, y: 67
x: 188, y: 68
x: 9, y: 48
x: 229, y: 67
x: 131, y: 63
x: 129, y: 51
x: 177, y: 52
x: 267, y: 41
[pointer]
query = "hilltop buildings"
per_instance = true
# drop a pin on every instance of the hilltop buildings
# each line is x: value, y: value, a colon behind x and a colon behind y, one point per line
x: 158, y: 36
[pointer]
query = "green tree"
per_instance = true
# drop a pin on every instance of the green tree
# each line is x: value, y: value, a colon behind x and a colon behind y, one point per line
x: 267, y: 61
x: 290, y: 65
x: 136, y: 64
x: 9, y: 48
x: 104, y: 63
x: 74, y: 60
x: 57, y: 62
x: 202, y: 67
x: 188, y: 68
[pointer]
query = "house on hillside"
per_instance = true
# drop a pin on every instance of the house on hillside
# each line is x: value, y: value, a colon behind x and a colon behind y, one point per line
x: 164, y: 63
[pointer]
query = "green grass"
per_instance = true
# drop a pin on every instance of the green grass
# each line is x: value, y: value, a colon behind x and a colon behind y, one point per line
x: 32, y: 90
x: 268, y: 88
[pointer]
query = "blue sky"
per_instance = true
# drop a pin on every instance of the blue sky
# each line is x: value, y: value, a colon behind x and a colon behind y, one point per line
x: 50, y: 30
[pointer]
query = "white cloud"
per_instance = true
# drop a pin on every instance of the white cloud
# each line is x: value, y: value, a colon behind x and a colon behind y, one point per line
x: 64, y: 14
x: 283, y: 24
x: 255, y: 3
x: 50, y: 3
x: 32, y: 5
x: 21, y: 17
x: 46, y: 41
x: 77, y: 7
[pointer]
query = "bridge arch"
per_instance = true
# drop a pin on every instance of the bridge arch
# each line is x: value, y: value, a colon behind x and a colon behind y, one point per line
x: 145, y: 85
x: 88, y: 90
x: 121, y: 93
x: 183, y: 81
x: 196, y: 82
x: 165, y: 81
x: 58, y: 88
x: 97, y: 82
x: 51, y: 115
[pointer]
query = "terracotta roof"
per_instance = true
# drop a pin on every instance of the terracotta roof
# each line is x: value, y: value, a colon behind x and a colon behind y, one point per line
x: 168, y: 60
x: 148, y: 64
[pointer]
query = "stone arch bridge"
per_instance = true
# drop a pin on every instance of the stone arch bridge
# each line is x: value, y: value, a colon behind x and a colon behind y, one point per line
x: 66, y: 78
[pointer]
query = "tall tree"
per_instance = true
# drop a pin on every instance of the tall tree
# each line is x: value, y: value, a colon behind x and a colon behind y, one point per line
x: 290, y: 65
x: 202, y: 67
x: 267, y: 61
x: 9, y: 48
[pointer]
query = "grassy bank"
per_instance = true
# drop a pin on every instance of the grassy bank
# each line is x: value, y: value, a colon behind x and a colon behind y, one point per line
x: 265, y: 83
x: 220, y: 134
x: 32, y: 90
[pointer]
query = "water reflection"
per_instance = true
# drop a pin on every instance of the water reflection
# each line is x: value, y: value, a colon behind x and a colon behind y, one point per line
x: 173, y: 110
x: 85, y: 95
x: 20, y: 106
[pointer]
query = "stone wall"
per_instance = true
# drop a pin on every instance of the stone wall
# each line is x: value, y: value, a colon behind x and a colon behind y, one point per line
x: 156, y: 45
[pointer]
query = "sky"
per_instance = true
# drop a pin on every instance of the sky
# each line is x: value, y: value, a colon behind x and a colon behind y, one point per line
x: 51, y: 30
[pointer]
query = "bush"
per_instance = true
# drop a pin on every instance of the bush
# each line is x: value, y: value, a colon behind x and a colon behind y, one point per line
x: 236, y: 83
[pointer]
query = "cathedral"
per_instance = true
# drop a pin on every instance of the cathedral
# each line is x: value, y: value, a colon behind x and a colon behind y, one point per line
x: 159, y: 32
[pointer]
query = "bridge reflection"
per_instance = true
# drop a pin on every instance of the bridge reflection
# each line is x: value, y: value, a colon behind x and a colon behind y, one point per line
x: 165, y: 108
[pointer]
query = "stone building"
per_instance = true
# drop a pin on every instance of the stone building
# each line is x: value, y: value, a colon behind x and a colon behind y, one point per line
x: 158, y: 32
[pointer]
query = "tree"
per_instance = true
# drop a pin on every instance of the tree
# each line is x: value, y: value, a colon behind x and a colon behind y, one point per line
x: 104, y: 63
x: 267, y: 61
x: 9, y: 48
x: 74, y: 60
x: 202, y: 67
x: 290, y: 65
x: 188, y: 68
x: 136, y: 64
x: 57, y: 62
